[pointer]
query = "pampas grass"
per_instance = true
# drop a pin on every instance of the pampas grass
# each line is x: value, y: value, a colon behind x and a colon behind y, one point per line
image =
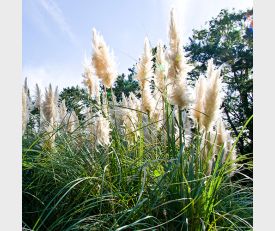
x: 144, y: 76
x: 49, y: 116
x: 103, y: 60
x: 212, y: 99
x: 25, y: 110
x: 161, y: 69
x: 88, y: 80
x: 198, y: 109
x: 102, y: 131
x: 62, y: 112
x: 149, y: 163
x: 38, y: 97
x: 221, y: 134
x: 144, y: 67
x: 180, y: 93
x: 49, y: 105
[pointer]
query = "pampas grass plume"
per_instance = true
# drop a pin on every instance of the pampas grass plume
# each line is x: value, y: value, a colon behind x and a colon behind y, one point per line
x: 197, y: 113
x: 49, y: 106
x: 102, y: 131
x: 37, y: 101
x: 88, y: 80
x: 212, y: 100
x: 221, y: 134
x: 161, y: 69
x: 62, y: 111
x: 181, y: 94
x: 103, y: 61
x: 144, y: 67
x: 148, y: 102
x: 25, y: 111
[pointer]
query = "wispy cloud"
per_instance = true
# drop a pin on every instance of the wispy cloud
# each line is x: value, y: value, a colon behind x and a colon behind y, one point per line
x: 58, y: 17
x: 57, y: 75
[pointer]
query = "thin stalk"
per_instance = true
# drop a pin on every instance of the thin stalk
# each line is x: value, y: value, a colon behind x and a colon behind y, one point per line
x: 180, y: 126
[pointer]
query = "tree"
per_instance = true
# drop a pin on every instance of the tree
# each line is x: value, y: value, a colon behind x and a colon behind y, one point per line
x: 126, y: 85
x: 230, y: 44
x: 76, y: 99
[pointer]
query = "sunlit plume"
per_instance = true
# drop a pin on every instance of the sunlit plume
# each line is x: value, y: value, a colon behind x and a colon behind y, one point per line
x: 103, y: 61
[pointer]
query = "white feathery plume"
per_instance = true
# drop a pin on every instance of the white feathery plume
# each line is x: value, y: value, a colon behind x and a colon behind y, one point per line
x: 49, y: 114
x: 147, y: 100
x: 114, y: 99
x: 50, y: 138
x: 97, y: 92
x: 229, y: 151
x: 161, y: 69
x: 208, y: 150
x: 124, y: 100
x: 221, y: 134
x: 90, y: 80
x: 212, y: 99
x: 144, y: 66
x: 103, y: 60
x: 56, y: 99
x: 198, y: 111
x: 25, y: 110
x: 102, y: 131
x: 157, y: 119
x: 26, y: 88
x: 129, y: 119
x: 62, y: 112
x: 38, y: 97
x: 49, y: 106
x: 157, y: 115
x: 178, y: 67
x: 134, y: 102
x: 179, y: 92
x: 56, y: 95
x: 144, y: 75
x: 135, y: 106
x: 174, y: 41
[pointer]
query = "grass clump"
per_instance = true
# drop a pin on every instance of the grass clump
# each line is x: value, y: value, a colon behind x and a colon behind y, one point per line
x: 138, y: 164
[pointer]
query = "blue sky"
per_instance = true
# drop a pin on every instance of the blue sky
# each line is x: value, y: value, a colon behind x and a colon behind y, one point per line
x: 57, y: 33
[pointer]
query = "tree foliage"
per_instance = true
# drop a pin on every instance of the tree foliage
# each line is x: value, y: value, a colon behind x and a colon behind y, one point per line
x: 126, y: 85
x: 230, y: 44
x: 76, y: 99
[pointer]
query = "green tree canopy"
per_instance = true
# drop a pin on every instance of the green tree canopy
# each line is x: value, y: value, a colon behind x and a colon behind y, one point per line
x: 229, y: 43
x: 76, y: 99
x: 126, y: 85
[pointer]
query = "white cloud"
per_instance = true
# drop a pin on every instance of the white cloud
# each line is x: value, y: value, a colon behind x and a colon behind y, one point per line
x: 58, y: 17
x: 57, y: 76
